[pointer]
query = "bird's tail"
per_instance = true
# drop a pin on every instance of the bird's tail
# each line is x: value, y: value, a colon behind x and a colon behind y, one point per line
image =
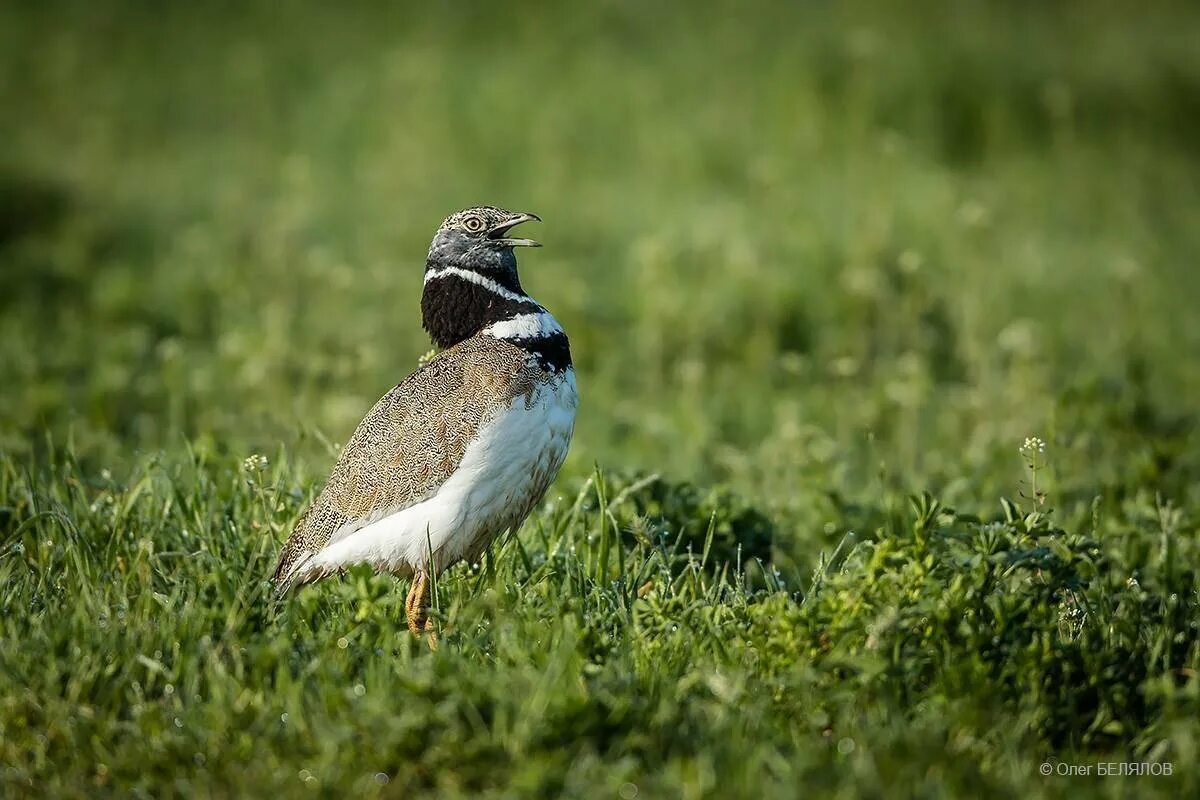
x: 289, y: 566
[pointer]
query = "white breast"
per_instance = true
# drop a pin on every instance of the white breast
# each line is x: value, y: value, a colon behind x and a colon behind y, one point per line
x: 503, y: 474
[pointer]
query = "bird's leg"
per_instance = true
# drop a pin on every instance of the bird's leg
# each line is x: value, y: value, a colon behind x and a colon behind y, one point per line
x: 417, y: 604
x: 417, y: 607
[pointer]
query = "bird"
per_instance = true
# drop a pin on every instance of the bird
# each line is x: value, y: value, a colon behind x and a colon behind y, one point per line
x: 464, y: 448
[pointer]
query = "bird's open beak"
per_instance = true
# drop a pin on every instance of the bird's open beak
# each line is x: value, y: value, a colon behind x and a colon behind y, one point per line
x: 496, y: 234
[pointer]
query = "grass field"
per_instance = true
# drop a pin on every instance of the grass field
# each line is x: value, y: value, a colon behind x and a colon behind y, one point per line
x: 825, y: 270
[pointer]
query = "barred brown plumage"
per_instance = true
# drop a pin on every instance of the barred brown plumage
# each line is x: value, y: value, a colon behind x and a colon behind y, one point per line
x: 410, y: 442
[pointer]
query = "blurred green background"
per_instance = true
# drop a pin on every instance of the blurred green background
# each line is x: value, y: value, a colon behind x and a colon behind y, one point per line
x: 820, y: 255
x: 796, y: 246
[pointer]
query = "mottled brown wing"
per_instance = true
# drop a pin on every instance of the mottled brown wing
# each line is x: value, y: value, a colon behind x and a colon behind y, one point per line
x: 409, y: 443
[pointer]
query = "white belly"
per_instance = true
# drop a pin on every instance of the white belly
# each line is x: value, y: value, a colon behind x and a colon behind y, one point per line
x: 503, y: 474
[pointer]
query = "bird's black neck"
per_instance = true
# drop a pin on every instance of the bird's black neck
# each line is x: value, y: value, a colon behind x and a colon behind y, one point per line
x: 457, y: 303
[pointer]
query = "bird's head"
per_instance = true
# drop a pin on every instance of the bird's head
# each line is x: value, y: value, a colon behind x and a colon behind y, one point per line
x: 477, y: 239
x: 471, y: 276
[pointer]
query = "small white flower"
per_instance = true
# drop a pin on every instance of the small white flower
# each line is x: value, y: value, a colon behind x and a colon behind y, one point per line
x: 1032, y: 445
x: 427, y: 357
x: 255, y: 461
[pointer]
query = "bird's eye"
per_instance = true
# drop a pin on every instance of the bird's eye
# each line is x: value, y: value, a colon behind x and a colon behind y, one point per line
x: 473, y: 224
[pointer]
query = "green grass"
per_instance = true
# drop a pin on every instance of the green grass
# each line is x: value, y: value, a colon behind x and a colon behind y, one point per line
x: 823, y: 269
